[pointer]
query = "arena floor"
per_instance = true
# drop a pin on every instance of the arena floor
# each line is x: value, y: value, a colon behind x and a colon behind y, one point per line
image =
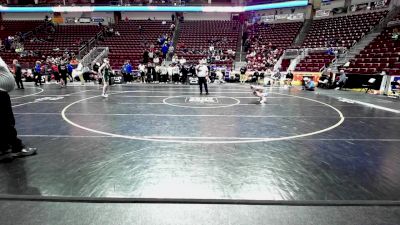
x: 165, y: 142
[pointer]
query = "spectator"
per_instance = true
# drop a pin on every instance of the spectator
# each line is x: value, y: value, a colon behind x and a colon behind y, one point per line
x: 145, y: 57
x: 342, y: 80
x: 309, y: 84
x: 37, y: 72
x: 10, y: 145
x: 182, y: 61
x: 164, y: 50
x: 170, y: 50
x: 142, y: 69
x: 289, y: 78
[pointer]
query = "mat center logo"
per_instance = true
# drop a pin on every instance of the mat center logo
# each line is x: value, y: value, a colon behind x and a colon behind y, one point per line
x: 201, y: 100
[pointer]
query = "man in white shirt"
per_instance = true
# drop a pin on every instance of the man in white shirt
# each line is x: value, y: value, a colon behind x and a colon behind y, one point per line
x: 182, y: 61
x: 170, y: 72
x: 78, y: 73
x: 163, y: 73
x: 202, y: 74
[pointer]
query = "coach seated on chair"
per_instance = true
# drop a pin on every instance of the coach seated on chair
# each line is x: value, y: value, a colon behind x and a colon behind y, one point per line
x: 325, y: 81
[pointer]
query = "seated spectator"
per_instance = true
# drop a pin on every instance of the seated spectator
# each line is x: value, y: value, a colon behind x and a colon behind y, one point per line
x: 326, y: 78
x: 276, y: 76
x: 289, y: 78
x: 309, y: 84
x: 395, y: 35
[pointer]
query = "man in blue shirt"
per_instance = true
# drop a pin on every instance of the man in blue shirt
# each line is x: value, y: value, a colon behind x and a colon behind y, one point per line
x: 164, y: 50
x: 37, y: 73
x: 128, y: 71
x: 309, y: 84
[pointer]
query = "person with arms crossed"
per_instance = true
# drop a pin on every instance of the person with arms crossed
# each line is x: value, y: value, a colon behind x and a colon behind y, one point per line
x: 202, y: 74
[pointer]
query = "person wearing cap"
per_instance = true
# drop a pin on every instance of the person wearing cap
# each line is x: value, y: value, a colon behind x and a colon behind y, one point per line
x: 309, y: 84
x: 202, y: 74
x: 18, y: 74
x: 10, y: 145
x: 105, y: 71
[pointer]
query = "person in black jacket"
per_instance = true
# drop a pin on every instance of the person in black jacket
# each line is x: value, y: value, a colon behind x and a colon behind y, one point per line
x: 10, y: 145
x: 63, y: 70
x: 18, y: 74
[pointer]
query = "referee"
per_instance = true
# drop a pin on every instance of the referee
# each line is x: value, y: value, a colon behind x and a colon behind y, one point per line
x: 202, y: 74
x: 10, y: 145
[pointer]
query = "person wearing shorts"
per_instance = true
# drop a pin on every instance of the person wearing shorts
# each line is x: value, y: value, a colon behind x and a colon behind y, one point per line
x: 105, y: 70
x: 260, y: 92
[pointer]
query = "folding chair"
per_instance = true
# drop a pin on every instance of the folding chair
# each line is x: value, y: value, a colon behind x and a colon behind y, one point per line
x: 369, y: 85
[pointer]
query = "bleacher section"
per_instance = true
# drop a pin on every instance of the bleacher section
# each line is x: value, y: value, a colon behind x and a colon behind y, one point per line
x: 66, y: 37
x: 314, y: 62
x: 12, y: 27
x: 382, y: 54
x: 341, y: 31
x: 132, y: 43
x: 278, y: 36
x: 197, y: 36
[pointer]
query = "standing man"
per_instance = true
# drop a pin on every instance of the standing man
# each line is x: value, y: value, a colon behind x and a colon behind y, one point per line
x: 128, y: 71
x: 10, y: 145
x: 37, y: 72
x: 202, y: 74
x: 18, y: 74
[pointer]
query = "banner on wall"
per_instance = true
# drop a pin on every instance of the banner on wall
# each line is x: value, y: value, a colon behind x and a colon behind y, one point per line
x: 268, y: 18
x: 322, y: 13
x: 97, y: 19
x: 69, y: 20
x: 298, y: 76
x: 296, y: 16
x: 281, y: 16
x: 85, y: 20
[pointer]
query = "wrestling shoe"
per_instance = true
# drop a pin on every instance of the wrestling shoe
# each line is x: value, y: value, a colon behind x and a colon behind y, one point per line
x: 24, y: 152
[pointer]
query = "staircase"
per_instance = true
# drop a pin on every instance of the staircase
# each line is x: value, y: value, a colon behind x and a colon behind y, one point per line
x: 239, y: 47
x: 238, y: 65
x: 176, y: 36
x: 366, y: 40
x: 389, y: 17
x: 298, y: 41
x: 95, y: 55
